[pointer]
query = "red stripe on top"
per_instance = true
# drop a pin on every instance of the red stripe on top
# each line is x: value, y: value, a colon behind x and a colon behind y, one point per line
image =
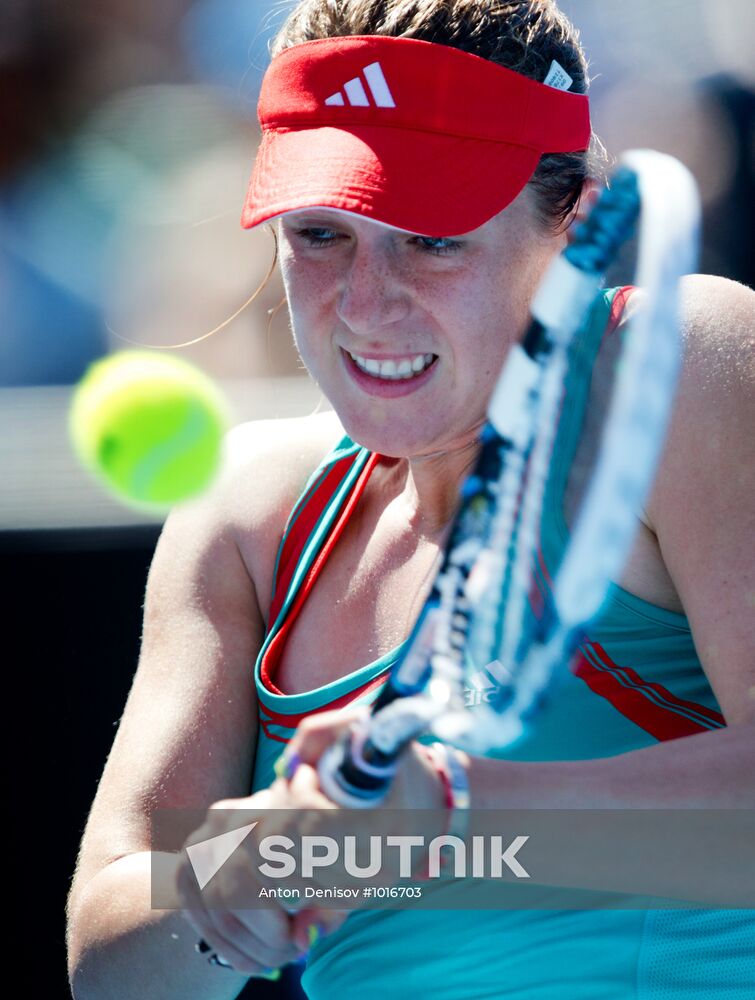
x: 273, y: 736
x: 272, y: 655
x: 662, y: 722
x: 302, y: 528
x: 618, y: 305
x: 291, y: 720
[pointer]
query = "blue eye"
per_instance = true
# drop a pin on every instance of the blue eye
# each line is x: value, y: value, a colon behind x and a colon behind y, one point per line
x: 318, y: 236
x: 438, y: 245
x: 323, y: 236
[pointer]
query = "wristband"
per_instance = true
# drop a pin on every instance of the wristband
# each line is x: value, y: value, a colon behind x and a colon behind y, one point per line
x: 453, y: 775
x: 453, y: 778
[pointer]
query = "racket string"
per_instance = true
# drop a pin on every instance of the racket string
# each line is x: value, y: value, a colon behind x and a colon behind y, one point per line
x: 516, y: 603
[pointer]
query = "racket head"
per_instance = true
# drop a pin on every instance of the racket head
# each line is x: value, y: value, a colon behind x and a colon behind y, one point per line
x: 499, y: 690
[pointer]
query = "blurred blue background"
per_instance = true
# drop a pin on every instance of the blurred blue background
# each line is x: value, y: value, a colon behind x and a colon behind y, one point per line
x: 129, y: 129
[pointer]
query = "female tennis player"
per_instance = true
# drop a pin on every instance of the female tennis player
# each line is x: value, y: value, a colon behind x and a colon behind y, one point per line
x: 422, y: 162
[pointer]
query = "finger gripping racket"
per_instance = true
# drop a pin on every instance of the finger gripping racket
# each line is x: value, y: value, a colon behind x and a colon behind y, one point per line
x: 477, y: 613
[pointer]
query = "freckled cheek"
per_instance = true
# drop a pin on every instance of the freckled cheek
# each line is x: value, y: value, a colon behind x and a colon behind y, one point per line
x: 310, y: 299
x: 486, y: 311
x: 309, y: 326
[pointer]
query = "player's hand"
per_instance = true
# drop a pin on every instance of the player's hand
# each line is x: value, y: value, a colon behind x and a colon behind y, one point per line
x: 253, y: 942
x: 416, y: 784
x: 414, y: 804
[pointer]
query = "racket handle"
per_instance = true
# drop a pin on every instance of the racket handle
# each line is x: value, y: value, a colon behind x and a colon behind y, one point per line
x: 357, y: 771
x: 348, y: 779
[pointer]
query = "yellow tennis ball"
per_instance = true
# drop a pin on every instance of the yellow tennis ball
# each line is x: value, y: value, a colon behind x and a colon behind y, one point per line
x: 150, y: 426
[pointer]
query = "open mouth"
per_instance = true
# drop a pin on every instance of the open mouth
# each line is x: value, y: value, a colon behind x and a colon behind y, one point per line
x: 394, y: 370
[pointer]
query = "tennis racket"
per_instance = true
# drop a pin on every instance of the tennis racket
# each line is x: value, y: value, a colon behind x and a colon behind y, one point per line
x: 478, y: 609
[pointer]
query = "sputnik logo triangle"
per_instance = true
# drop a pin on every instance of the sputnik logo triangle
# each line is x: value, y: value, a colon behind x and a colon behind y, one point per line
x: 357, y: 97
x: 208, y: 856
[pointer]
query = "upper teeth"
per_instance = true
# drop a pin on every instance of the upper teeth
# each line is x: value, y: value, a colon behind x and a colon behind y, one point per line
x: 405, y: 368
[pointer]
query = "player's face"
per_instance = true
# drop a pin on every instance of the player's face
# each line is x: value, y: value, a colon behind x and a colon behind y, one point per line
x: 406, y: 334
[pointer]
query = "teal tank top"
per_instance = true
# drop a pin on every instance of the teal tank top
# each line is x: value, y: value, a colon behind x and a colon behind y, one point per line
x: 635, y: 681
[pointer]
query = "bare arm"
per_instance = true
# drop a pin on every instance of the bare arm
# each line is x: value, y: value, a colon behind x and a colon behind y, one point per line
x: 187, y: 737
x: 702, y: 509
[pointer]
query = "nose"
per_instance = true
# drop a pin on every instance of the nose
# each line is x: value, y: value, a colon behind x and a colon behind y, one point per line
x: 372, y: 294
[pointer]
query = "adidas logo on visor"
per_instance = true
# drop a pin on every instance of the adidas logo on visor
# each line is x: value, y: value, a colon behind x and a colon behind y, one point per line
x: 356, y: 95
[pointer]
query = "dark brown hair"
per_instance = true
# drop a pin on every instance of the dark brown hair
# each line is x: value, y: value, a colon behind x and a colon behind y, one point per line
x: 523, y: 35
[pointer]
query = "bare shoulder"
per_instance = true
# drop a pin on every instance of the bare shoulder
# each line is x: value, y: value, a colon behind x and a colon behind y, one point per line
x: 718, y: 324
x: 267, y: 464
x: 277, y: 453
x: 188, y: 731
x: 702, y: 508
x: 714, y: 410
x: 718, y: 333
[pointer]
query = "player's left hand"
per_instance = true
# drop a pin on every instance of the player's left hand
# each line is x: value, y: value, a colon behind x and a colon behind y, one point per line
x: 415, y: 786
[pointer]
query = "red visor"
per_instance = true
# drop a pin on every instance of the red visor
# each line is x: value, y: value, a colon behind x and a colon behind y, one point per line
x: 420, y: 136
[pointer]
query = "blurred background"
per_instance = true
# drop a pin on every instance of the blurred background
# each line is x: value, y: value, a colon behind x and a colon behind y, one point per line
x: 128, y: 130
